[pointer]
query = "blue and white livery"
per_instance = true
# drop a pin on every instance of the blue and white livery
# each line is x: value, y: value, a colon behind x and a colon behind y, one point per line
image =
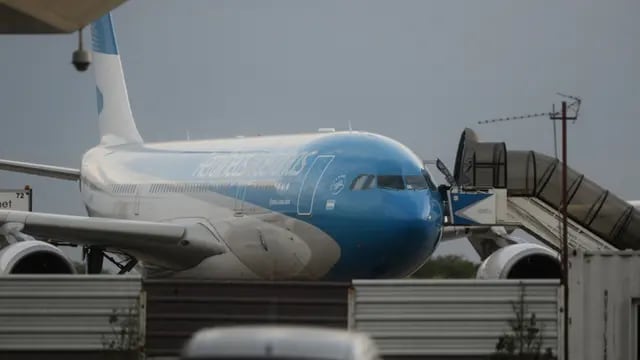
x: 316, y: 206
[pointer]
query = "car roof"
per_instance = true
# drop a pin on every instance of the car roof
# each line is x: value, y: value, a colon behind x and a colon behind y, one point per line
x: 275, y: 341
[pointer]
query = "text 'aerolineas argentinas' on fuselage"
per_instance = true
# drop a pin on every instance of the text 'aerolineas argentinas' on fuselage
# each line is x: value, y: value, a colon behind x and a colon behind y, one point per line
x: 253, y: 165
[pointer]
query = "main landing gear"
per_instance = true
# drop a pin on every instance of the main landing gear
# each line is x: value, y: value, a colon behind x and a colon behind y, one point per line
x: 94, y: 260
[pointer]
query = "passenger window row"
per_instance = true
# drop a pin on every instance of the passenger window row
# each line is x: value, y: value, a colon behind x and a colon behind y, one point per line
x: 178, y: 188
x: 124, y: 188
x: 127, y: 189
x: 200, y: 187
x: 395, y: 182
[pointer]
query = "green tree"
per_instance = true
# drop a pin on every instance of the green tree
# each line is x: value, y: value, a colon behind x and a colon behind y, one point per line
x: 447, y: 267
x: 525, y: 341
x: 125, y: 340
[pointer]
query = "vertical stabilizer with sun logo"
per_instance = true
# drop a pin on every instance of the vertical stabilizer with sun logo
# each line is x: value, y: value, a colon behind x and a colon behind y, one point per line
x: 116, y: 124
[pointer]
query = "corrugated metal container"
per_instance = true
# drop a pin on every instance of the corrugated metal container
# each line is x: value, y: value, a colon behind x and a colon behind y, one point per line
x: 178, y: 308
x: 70, y: 313
x: 604, y: 295
x: 459, y: 318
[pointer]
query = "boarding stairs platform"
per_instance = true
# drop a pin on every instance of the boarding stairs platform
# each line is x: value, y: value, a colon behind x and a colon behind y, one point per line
x: 496, y: 188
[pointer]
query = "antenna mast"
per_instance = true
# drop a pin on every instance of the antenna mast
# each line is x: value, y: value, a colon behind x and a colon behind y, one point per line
x: 574, y: 107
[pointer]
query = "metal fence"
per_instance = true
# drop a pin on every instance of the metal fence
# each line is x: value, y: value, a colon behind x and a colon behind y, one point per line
x: 178, y: 308
x: 454, y: 318
x: 66, y: 315
x: 84, y: 316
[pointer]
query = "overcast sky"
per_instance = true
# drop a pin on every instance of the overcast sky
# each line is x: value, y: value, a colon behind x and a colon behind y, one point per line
x: 417, y: 71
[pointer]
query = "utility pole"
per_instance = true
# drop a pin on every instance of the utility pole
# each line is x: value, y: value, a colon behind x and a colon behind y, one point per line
x: 565, y: 241
x: 553, y: 115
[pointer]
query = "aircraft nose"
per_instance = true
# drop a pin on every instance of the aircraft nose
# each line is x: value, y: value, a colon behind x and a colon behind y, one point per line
x: 425, y: 225
x: 432, y: 218
x: 418, y: 234
x: 393, y: 240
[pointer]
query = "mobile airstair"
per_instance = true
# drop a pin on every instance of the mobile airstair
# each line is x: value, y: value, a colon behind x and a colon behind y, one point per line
x: 509, y: 189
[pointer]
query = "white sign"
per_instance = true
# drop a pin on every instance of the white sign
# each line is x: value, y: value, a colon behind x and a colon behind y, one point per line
x: 15, y: 200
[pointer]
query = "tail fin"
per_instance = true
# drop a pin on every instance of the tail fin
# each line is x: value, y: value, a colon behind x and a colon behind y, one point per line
x: 116, y: 122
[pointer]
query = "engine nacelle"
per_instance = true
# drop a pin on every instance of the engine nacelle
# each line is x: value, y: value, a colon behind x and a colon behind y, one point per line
x: 521, y: 261
x: 34, y: 257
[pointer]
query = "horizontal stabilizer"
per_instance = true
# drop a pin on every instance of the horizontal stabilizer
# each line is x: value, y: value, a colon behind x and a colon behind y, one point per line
x: 40, y: 169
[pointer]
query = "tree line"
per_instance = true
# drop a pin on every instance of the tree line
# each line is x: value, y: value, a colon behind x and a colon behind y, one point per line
x: 447, y: 267
x: 439, y: 267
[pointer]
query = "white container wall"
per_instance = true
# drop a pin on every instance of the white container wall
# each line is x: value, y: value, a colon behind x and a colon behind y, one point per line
x: 71, y: 313
x: 431, y: 318
x: 604, y: 295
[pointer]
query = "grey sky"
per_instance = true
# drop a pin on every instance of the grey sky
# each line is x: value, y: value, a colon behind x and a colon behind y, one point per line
x: 418, y: 71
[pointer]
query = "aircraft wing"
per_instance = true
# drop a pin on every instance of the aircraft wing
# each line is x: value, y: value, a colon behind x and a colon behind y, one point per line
x: 40, y: 169
x: 634, y: 203
x: 172, y: 245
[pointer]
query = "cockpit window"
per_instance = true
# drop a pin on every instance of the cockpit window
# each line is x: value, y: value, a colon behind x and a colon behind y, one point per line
x: 395, y: 182
x: 416, y: 182
x: 362, y: 182
x: 390, y: 182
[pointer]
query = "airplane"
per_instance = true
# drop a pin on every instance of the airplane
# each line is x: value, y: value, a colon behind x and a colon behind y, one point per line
x: 327, y: 205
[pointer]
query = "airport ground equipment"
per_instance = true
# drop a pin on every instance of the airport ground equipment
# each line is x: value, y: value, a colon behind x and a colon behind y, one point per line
x: 17, y: 199
x: 605, y: 305
x: 496, y: 191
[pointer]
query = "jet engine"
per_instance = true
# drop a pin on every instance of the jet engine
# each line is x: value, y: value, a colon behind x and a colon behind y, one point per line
x: 34, y: 257
x: 521, y: 261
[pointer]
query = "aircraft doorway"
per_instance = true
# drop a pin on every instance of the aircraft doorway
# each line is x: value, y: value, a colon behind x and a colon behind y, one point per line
x: 136, y: 204
x: 310, y: 183
x: 238, y: 202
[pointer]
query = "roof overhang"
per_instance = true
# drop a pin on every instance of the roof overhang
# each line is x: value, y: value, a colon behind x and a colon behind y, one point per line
x: 51, y: 17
